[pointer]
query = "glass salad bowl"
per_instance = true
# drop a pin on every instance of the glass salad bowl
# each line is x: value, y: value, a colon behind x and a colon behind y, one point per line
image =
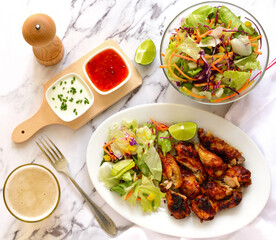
x: 212, y: 52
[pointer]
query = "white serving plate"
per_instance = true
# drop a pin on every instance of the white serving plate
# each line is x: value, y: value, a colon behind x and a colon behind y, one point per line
x: 225, y: 222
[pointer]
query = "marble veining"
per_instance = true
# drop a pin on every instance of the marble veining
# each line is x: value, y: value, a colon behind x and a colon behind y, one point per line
x: 81, y: 25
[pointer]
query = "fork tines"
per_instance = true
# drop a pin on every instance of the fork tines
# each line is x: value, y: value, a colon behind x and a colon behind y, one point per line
x: 49, y: 149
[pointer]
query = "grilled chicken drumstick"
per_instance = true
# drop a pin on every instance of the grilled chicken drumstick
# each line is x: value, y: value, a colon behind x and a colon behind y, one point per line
x: 171, y: 171
x: 188, y: 157
x: 228, y: 153
x: 177, y: 204
x: 237, y: 176
x: 214, y: 165
x: 215, y: 191
x: 190, y: 186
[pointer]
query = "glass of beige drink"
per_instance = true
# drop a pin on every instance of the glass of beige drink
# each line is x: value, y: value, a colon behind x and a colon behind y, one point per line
x: 31, y: 192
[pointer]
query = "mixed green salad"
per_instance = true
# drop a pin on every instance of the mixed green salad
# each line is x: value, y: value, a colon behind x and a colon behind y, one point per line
x: 131, y: 165
x: 213, y: 53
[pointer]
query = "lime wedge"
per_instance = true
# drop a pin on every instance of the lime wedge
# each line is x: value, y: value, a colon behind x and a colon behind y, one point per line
x: 183, y: 131
x: 145, y: 53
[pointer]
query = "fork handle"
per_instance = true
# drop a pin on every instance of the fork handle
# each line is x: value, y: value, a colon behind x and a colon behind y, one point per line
x: 104, y: 221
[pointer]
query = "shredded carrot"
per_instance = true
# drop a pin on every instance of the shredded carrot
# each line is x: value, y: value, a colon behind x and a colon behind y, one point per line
x: 200, y: 84
x: 107, y: 144
x: 159, y: 126
x: 198, y: 35
x: 254, y: 39
x: 129, y: 194
x: 229, y: 24
x: 138, y: 199
x: 192, y: 94
x: 205, y: 84
x: 255, y: 45
x: 184, y: 57
x: 258, y: 52
x: 217, y: 69
x: 218, y: 56
x: 170, y: 69
x: 205, y: 34
x: 179, y: 70
x: 162, y: 54
x: 108, y: 153
x: 163, y: 66
x: 211, y: 22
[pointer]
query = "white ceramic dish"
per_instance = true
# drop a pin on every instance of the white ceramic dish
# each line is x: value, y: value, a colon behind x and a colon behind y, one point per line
x: 118, y: 86
x: 77, y: 106
x: 225, y: 222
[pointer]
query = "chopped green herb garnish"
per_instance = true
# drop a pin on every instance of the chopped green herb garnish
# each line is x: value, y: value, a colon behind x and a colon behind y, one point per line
x: 53, y: 98
x: 78, y: 101
x: 54, y: 88
x: 73, y: 90
x: 63, y: 88
x: 65, y: 82
x: 63, y: 106
x: 86, y: 101
x: 81, y: 91
x: 60, y: 97
x: 71, y: 99
x: 74, y: 110
x: 60, y: 83
x: 74, y: 78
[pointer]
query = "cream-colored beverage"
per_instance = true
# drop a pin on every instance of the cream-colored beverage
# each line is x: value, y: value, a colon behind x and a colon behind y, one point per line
x: 31, y: 192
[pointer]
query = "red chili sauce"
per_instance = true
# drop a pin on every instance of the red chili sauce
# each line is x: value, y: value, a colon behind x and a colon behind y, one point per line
x: 107, y: 70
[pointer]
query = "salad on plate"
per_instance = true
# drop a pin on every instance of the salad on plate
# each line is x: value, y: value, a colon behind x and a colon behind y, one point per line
x: 213, y: 53
x: 131, y: 165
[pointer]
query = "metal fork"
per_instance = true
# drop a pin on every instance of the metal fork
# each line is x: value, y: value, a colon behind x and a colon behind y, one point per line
x: 59, y: 162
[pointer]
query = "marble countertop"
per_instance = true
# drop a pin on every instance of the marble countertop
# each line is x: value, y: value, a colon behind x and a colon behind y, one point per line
x: 81, y: 25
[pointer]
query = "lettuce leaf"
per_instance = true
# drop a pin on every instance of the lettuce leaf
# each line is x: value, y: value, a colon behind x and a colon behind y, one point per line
x: 140, y: 163
x: 121, y: 167
x: 164, y: 142
x: 132, y: 125
x: 153, y: 161
x: 105, y: 174
x: 144, y: 137
x: 149, y: 194
x: 226, y: 15
x: 238, y: 79
x: 190, y: 47
x: 199, y: 16
x: 248, y: 63
x: 121, y: 188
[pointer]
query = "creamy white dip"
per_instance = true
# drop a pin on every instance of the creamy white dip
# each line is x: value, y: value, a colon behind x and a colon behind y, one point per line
x: 69, y: 97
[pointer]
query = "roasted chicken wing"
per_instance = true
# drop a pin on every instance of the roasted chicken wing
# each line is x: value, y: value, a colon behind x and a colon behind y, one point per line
x: 215, y: 191
x: 204, y: 208
x: 237, y: 176
x: 228, y: 153
x: 177, y: 204
x: 233, y: 201
x: 190, y: 186
x: 188, y: 157
x: 171, y: 171
x: 214, y: 165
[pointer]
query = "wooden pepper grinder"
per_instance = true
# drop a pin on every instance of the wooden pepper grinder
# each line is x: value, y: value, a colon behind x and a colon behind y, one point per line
x: 39, y: 30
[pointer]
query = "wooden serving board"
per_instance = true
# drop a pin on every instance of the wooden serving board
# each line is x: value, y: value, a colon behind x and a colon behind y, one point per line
x: 46, y: 116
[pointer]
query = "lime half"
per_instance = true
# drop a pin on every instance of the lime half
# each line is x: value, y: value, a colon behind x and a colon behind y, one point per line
x: 183, y: 131
x: 145, y: 53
